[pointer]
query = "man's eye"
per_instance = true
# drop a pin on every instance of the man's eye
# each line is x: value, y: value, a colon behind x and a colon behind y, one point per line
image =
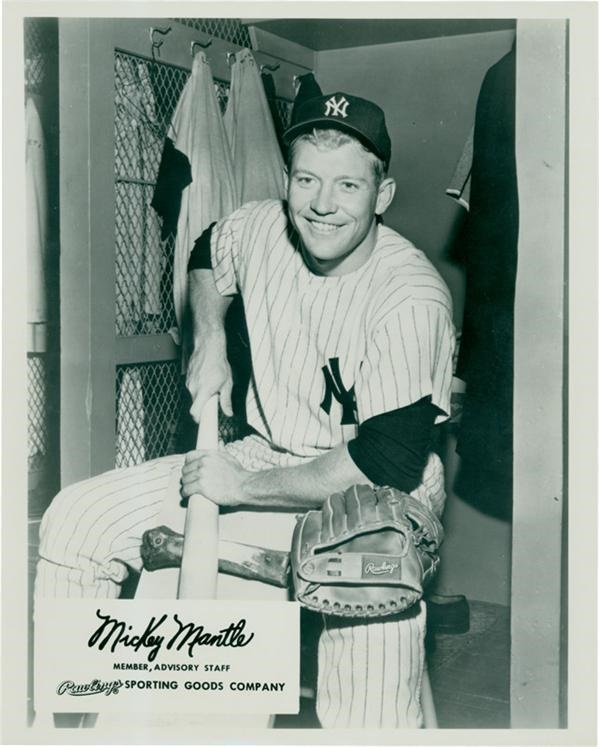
x: 349, y: 186
x: 304, y: 180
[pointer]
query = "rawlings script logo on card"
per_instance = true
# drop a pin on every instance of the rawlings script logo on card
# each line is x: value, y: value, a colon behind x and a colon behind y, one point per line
x: 95, y: 687
x: 114, y: 633
x: 373, y: 568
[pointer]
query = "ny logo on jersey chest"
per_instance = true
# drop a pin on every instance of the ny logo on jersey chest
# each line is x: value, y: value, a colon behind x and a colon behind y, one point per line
x: 334, y: 387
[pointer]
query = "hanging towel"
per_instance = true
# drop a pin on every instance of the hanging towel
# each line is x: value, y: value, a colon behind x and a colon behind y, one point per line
x: 460, y: 184
x: 257, y: 161
x: 307, y: 88
x: 197, y: 134
x: 36, y: 219
x: 485, y: 361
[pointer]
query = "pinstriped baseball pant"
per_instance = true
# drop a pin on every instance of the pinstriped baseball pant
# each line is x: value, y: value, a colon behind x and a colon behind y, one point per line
x: 369, y: 674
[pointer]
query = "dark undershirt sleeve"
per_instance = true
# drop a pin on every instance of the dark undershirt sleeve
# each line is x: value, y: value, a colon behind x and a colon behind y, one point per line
x: 392, y: 448
x: 200, y: 256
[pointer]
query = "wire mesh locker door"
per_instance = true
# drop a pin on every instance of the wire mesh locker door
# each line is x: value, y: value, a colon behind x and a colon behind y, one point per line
x: 148, y: 391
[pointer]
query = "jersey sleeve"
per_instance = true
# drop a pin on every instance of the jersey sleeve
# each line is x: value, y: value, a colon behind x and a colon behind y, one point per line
x: 227, y: 250
x: 409, y: 358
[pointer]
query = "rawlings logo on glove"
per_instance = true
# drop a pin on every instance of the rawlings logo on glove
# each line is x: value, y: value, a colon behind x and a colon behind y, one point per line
x: 367, y: 553
x: 377, y: 570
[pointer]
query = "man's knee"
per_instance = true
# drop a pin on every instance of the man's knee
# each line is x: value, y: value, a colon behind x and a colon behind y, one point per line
x: 63, y: 503
x: 69, y: 511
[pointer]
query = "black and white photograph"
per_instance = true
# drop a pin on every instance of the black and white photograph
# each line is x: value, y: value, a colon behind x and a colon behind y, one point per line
x: 300, y: 310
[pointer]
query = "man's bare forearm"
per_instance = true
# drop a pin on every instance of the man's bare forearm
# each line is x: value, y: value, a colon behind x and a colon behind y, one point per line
x: 304, y: 486
x: 209, y: 307
x: 208, y: 369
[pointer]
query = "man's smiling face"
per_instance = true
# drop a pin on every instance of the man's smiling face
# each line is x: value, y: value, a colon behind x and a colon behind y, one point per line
x: 332, y: 200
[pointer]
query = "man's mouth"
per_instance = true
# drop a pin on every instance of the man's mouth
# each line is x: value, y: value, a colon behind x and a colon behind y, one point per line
x: 321, y: 227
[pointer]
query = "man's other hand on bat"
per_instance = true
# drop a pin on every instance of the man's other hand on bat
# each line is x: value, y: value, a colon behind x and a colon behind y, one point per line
x: 216, y: 475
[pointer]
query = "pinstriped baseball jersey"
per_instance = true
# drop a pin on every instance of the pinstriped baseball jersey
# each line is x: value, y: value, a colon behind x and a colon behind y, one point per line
x: 329, y: 352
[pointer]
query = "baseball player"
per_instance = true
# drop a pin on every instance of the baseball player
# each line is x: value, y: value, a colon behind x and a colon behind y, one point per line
x: 351, y: 341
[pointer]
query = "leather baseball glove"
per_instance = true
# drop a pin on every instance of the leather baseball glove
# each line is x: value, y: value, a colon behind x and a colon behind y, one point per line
x: 367, y: 553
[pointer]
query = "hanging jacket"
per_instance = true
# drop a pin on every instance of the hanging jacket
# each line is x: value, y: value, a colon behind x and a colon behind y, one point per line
x: 308, y: 88
x: 485, y: 362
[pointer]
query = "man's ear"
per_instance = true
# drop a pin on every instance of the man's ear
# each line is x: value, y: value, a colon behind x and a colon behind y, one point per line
x: 385, y: 195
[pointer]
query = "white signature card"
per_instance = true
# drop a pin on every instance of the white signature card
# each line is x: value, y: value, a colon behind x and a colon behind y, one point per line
x: 95, y: 655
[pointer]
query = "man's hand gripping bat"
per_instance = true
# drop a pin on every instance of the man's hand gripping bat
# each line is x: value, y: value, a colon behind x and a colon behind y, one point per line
x: 163, y: 548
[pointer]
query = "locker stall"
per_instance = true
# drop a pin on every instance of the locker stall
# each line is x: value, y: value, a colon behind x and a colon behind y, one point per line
x: 117, y: 377
x: 41, y: 93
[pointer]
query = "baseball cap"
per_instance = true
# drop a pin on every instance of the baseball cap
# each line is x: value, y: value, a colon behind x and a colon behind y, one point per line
x: 358, y: 117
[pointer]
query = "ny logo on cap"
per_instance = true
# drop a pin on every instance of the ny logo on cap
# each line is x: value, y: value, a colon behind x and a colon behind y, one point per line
x: 335, y: 108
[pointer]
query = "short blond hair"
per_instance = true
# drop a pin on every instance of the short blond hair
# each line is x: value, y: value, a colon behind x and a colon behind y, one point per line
x: 329, y: 139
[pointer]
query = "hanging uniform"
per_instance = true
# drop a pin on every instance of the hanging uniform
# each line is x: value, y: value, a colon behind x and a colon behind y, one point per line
x: 257, y: 162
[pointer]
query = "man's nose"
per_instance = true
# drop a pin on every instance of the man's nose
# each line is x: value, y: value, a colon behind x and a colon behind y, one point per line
x: 323, y: 201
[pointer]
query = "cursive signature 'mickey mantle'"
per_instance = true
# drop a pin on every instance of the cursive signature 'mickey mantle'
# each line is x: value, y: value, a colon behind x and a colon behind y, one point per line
x: 113, y: 633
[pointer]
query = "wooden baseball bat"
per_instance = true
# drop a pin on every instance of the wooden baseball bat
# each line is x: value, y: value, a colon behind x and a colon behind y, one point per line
x: 199, y: 562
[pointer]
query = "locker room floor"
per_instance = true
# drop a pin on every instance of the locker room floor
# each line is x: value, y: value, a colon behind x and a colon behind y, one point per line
x: 469, y: 672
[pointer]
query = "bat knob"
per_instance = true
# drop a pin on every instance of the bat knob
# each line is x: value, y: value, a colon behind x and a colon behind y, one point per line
x: 161, y: 548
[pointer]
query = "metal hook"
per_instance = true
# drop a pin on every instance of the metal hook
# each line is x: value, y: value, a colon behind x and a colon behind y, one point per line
x: 156, y: 45
x: 156, y: 49
x: 200, y: 44
x: 154, y: 30
x: 271, y: 68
